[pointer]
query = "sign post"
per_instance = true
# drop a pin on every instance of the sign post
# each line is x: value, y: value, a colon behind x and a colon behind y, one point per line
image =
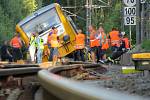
x: 130, y: 15
x: 130, y: 34
x: 129, y: 3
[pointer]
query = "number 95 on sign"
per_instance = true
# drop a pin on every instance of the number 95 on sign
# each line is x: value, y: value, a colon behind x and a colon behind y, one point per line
x: 130, y: 20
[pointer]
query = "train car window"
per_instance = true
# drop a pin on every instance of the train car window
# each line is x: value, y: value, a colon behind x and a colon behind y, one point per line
x: 72, y: 23
x: 41, y: 22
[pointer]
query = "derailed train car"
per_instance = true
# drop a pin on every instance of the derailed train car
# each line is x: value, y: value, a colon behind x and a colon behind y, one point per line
x: 43, y: 20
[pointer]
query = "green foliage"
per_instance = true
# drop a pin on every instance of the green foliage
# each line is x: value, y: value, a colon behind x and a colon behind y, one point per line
x: 13, y: 11
x: 39, y: 3
x: 146, y: 45
x: 5, y: 24
x: 30, y: 5
x: 113, y: 17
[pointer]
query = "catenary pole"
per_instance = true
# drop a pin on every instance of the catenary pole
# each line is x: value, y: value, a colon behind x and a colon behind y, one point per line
x: 142, y: 22
x: 138, y: 18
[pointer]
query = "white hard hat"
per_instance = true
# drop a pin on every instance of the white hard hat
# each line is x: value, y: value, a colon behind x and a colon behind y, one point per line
x: 123, y: 33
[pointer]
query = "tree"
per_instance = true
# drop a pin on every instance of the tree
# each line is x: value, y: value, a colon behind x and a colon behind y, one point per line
x: 112, y: 16
x: 13, y: 11
x: 30, y: 5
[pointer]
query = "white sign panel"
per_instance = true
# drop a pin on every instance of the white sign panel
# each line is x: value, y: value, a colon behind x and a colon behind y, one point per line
x: 143, y: 1
x: 129, y: 11
x: 129, y: 3
x: 130, y: 20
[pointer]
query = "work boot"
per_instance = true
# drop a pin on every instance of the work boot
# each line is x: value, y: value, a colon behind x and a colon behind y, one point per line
x: 111, y: 60
x: 101, y: 61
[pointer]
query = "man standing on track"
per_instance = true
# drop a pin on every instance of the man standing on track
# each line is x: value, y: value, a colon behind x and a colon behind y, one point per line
x: 80, y: 45
x: 54, y: 45
x: 114, y: 39
x: 93, y: 42
x: 16, y: 45
x: 103, y: 44
x: 32, y: 47
x: 40, y: 48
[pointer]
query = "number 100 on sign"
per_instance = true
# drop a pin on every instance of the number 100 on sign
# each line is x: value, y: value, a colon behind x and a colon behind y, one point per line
x: 129, y: 11
x: 130, y: 20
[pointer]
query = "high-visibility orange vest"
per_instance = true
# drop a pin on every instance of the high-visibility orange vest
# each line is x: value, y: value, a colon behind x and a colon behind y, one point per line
x: 104, y: 42
x: 105, y: 46
x: 54, y: 40
x: 97, y: 43
x: 15, y: 42
x: 103, y: 38
x: 114, y: 37
x: 126, y: 40
x: 97, y: 40
x: 80, y: 41
x: 92, y: 40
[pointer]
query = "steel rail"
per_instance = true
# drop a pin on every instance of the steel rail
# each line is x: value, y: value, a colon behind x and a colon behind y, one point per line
x: 4, y: 66
x: 66, y: 89
x: 19, y: 71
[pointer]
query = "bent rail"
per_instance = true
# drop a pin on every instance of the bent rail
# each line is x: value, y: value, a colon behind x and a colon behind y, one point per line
x: 66, y: 89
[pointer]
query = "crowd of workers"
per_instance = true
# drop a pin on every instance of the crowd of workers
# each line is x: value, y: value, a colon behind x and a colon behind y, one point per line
x: 35, y: 47
x: 16, y: 53
x: 99, y: 42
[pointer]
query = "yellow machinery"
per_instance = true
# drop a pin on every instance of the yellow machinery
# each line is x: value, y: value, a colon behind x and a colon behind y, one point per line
x: 42, y: 21
x: 142, y: 61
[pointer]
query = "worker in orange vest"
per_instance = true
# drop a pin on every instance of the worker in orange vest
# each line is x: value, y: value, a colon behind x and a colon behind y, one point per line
x: 103, y: 44
x: 125, y: 45
x: 54, y: 42
x: 93, y: 42
x: 80, y: 45
x: 99, y: 42
x: 114, y: 39
x: 16, y: 45
x: 49, y: 45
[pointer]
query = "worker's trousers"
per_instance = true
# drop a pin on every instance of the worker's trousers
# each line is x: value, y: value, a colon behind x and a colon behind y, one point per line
x: 39, y: 55
x: 32, y: 50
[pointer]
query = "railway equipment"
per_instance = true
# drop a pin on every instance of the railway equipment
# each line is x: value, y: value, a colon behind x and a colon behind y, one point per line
x: 141, y: 60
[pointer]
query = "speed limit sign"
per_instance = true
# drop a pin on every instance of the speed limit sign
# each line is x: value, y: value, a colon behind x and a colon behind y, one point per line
x: 143, y: 1
x: 130, y: 20
x: 129, y: 11
x: 129, y: 3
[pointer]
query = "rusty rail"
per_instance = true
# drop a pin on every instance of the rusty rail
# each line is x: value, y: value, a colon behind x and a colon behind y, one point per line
x: 66, y: 89
x: 18, y: 69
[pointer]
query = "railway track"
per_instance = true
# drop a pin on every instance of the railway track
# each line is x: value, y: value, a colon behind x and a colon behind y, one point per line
x: 15, y: 79
x: 69, y: 82
x: 18, y: 69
